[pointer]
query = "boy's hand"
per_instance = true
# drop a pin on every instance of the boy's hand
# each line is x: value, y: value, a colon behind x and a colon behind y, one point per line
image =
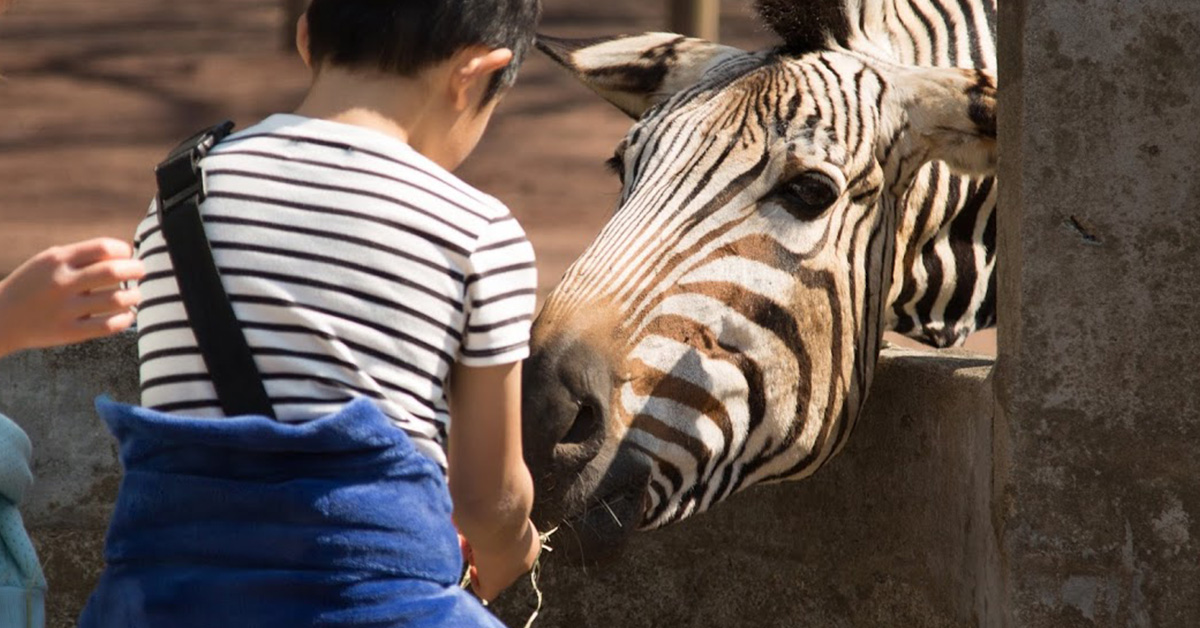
x: 69, y: 294
x: 495, y: 570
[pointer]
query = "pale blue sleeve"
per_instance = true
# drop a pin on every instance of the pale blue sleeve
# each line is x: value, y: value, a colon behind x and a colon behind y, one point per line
x: 22, y: 584
x: 15, y: 453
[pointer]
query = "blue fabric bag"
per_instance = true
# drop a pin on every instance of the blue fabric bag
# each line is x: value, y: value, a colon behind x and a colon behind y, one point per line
x: 251, y: 522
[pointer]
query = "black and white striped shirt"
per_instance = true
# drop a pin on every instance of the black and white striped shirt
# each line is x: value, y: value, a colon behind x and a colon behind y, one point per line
x: 357, y: 267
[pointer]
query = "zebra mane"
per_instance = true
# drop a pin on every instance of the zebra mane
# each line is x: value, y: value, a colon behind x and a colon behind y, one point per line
x: 808, y: 25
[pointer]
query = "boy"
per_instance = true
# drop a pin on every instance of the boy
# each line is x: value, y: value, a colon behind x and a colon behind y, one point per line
x: 359, y: 268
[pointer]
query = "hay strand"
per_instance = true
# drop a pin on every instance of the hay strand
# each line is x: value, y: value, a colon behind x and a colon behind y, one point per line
x: 534, y: 575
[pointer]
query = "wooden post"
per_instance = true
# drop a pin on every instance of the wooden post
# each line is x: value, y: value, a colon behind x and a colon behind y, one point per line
x: 696, y: 18
x: 292, y: 10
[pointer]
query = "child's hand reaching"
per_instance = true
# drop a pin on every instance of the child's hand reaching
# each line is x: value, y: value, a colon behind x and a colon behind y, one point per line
x: 494, y: 571
x: 69, y: 294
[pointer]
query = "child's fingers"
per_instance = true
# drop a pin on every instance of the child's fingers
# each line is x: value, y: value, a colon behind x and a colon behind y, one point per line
x: 108, y: 274
x: 99, y: 326
x: 88, y: 252
x: 465, y: 546
x: 478, y: 588
x: 103, y: 302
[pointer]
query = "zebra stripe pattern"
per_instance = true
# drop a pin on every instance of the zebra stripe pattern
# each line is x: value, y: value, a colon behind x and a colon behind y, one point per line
x: 944, y: 284
x: 779, y: 211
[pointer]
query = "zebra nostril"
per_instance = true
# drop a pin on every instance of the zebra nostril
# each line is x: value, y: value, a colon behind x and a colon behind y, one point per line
x: 588, y: 422
x: 565, y: 405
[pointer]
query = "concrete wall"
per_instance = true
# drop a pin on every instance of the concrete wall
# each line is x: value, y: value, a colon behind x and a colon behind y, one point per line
x: 895, y: 532
x: 1100, y: 250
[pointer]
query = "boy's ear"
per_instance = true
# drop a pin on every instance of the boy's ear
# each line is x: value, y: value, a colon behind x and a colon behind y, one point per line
x: 636, y: 72
x: 952, y: 116
x: 302, y: 40
x: 474, y: 72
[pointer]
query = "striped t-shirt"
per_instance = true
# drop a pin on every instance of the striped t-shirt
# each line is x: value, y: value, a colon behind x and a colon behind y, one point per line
x: 356, y: 266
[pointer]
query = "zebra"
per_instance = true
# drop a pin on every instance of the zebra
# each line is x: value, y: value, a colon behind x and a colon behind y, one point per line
x: 779, y: 211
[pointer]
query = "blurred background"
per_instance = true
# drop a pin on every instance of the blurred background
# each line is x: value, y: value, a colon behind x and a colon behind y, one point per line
x: 94, y: 93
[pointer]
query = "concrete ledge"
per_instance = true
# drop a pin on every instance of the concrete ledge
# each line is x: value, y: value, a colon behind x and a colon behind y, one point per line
x: 895, y: 532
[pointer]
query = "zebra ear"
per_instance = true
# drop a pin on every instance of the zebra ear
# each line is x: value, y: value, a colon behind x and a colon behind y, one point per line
x: 636, y: 72
x: 952, y: 116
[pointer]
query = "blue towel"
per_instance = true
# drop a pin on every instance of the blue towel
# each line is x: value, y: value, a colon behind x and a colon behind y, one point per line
x: 251, y: 522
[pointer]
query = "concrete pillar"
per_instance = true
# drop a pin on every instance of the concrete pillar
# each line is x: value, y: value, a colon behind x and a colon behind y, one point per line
x: 696, y: 18
x: 1098, y: 386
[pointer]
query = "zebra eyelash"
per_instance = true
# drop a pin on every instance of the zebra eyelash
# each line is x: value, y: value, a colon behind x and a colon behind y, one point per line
x: 616, y: 165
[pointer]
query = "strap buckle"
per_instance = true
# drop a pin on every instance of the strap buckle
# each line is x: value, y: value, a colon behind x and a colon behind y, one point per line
x: 180, y: 178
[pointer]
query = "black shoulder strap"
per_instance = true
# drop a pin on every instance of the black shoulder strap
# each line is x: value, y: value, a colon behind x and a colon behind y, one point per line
x: 230, y: 363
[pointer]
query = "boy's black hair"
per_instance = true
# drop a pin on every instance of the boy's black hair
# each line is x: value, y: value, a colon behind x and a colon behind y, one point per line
x: 406, y: 36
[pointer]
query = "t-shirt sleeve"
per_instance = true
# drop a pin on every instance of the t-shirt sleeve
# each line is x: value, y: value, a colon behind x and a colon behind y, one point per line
x: 500, y: 297
x: 148, y: 227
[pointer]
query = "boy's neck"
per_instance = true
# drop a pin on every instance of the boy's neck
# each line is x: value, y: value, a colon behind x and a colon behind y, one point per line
x: 400, y: 107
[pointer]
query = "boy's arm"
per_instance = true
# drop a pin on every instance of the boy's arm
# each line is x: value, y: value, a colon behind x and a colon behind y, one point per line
x: 489, y: 482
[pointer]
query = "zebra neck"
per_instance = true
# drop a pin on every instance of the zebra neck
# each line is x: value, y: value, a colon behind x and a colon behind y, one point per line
x: 926, y: 32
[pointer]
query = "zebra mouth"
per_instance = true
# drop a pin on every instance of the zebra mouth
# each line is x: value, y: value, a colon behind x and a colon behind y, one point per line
x: 594, y: 525
x: 601, y: 532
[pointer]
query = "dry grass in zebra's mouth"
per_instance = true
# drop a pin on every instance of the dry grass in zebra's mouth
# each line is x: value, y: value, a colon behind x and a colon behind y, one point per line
x: 534, y: 576
x: 598, y: 533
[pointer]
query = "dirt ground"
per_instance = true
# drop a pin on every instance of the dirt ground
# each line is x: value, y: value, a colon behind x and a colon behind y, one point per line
x: 93, y: 94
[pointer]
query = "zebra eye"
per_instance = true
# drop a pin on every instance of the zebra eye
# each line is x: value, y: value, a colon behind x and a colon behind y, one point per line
x: 808, y: 195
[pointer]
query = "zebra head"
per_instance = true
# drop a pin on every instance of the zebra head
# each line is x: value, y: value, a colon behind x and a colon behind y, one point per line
x: 722, y: 329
